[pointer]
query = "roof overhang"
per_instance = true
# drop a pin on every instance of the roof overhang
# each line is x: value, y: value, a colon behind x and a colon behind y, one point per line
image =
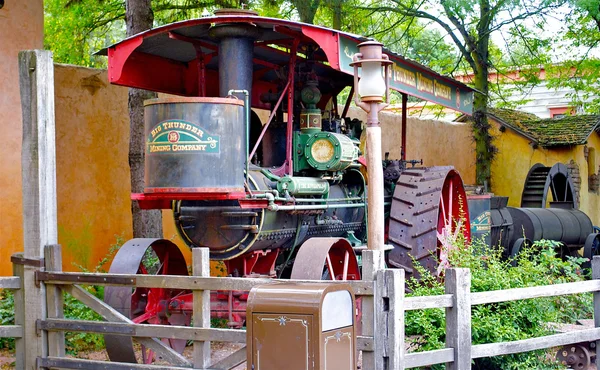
x: 165, y: 59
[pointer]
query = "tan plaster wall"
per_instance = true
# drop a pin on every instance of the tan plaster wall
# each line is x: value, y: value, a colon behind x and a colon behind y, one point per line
x: 21, y: 28
x: 438, y: 143
x: 93, y: 181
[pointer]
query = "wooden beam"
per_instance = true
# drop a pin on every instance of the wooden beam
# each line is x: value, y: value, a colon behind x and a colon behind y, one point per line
x: 201, y: 314
x: 535, y: 292
x: 75, y: 363
x: 425, y: 302
x: 372, y: 261
x: 10, y: 282
x: 11, y: 331
x: 54, y: 300
x: 428, y: 358
x: 144, y: 330
x: 38, y: 166
x: 532, y: 344
x: 236, y: 358
x: 389, y: 333
x: 361, y: 288
x: 110, y: 314
x: 458, y: 318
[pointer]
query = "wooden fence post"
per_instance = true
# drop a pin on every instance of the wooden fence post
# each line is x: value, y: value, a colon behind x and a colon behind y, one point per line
x: 596, y: 276
x: 201, y: 315
x: 389, y: 314
x: 38, y: 162
x: 458, y: 318
x: 54, y: 301
x: 372, y: 261
x: 19, y: 297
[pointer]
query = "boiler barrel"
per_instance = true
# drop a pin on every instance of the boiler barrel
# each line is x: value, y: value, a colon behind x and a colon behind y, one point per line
x: 194, y: 145
x: 569, y: 226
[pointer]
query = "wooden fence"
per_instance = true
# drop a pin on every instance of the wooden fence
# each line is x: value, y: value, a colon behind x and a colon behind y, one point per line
x: 382, y: 349
x: 39, y: 283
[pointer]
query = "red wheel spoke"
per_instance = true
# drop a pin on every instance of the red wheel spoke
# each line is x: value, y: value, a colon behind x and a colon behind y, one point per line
x: 330, y: 267
x: 443, y: 208
x: 147, y: 355
x: 144, y: 317
x: 450, y: 206
x: 346, y: 263
x: 143, y: 269
x: 165, y: 265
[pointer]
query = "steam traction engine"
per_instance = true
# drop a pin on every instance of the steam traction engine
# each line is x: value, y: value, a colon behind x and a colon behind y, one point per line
x: 283, y: 198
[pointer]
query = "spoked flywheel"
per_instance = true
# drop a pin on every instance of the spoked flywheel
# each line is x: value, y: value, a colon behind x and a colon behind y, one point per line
x: 429, y: 209
x: 145, y: 305
x: 326, y: 259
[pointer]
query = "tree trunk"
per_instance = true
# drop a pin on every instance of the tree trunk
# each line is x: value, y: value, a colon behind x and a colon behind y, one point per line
x: 484, y: 148
x: 146, y: 224
x: 307, y: 9
x: 337, y: 14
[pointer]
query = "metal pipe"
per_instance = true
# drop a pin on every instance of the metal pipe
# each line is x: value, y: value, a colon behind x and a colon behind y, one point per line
x: 247, y: 106
x: 290, y: 123
x: 264, y: 130
x: 375, y: 215
x: 404, y: 111
x: 328, y: 200
x: 277, y: 207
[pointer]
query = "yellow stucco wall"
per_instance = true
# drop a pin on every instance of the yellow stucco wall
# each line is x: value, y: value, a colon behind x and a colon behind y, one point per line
x: 516, y: 156
x: 438, y: 143
x: 93, y: 182
x: 21, y: 28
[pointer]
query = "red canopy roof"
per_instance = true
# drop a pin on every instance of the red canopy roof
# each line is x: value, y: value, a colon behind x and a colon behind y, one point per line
x: 166, y: 59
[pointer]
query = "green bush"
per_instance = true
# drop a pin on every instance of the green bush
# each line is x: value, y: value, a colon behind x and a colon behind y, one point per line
x: 501, y: 322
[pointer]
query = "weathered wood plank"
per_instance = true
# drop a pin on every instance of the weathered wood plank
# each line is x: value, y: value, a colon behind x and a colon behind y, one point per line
x: 10, y: 282
x: 526, y: 345
x: 516, y: 294
x: 164, y: 331
x: 54, y: 300
x: 38, y: 171
x: 74, y: 363
x: 428, y: 358
x: 109, y: 313
x: 145, y: 330
x: 201, y: 308
x: 365, y: 344
x: 11, y: 331
x: 596, y: 277
x: 422, y: 303
x: 236, y: 358
x: 18, y: 271
x: 372, y: 261
x: 389, y: 333
x: 361, y: 288
x: 458, y: 318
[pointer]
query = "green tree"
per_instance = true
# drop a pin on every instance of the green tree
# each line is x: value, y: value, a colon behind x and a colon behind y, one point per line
x: 470, y: 24
x: 582, y: 74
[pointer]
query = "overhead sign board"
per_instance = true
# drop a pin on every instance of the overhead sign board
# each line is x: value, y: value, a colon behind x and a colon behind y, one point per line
x: 412, y: 80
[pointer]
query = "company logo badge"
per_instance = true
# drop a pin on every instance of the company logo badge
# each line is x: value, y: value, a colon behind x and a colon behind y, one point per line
x: 176, y: 136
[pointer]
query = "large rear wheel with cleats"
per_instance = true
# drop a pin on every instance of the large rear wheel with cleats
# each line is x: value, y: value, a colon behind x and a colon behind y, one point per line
x: 429, y: 208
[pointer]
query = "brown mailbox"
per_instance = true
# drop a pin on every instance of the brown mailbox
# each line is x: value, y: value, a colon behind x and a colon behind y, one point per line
x: 301, y: 327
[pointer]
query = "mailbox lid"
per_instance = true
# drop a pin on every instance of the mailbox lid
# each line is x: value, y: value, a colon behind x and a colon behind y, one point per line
x: 301, y: 298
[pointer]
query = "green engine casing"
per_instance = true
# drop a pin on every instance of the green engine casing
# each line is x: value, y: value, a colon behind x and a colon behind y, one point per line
x: 323, y: 151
